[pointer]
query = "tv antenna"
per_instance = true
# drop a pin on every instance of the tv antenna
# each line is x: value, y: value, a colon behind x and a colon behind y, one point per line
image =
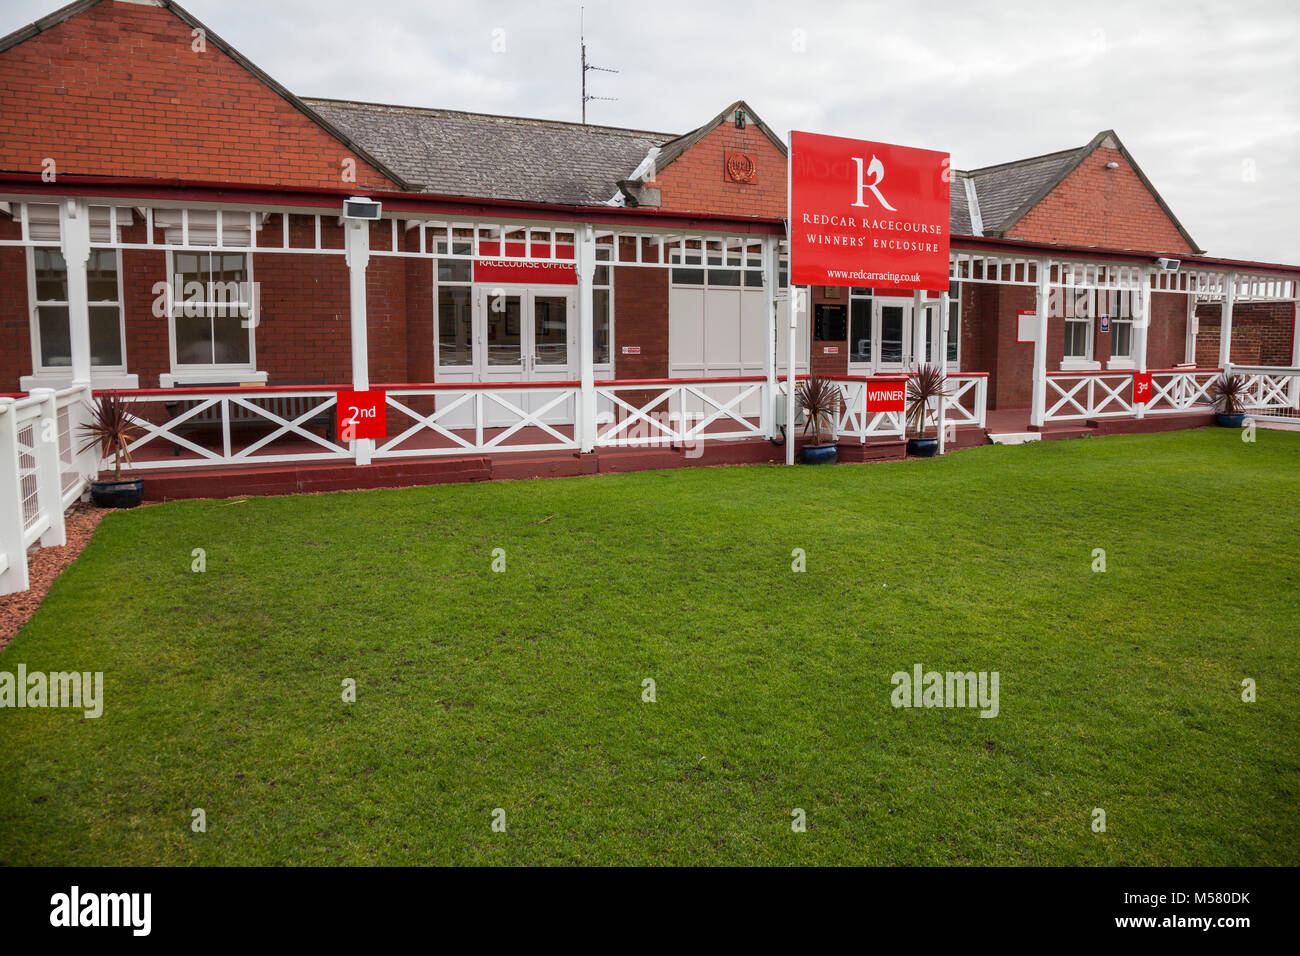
x: 582, y: 42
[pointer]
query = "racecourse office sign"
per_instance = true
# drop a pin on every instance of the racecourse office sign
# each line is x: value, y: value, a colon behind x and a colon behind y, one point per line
x: 867, y: 214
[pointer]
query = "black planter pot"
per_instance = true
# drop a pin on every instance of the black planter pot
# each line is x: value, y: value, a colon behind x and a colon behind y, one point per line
x: 1230, y: 421
x: 820, y: 454
x: 117, y: 494
x: 922, y: 447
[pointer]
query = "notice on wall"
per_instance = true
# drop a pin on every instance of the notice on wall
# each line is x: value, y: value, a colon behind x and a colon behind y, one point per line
x: 886, y: 395
x: 361, y: 415
x: 1026, y: 326
x: 868, y: 214
x: 631, y: 350
x: 831, y: 350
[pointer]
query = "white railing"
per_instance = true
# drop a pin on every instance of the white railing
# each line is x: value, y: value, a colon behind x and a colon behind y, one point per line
x: 1273, y: 392
x: 458, y: 419
x: 679, y: 412
x: 855, y: 421
x: 247, y: 425
x: 42, y: 471
x: 968, y: 403
x: 1082, y: 395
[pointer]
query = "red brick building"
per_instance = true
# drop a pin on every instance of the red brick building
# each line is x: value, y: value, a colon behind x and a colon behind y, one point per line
x: 146, y: 164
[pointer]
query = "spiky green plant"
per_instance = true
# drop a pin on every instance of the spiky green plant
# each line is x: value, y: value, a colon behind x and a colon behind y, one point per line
x: 111, y: 429
x: 820, y: 398
x: 927, y: 383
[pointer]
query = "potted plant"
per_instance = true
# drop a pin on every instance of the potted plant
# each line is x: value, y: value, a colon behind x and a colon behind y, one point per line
x: 820, y: 399
x: 1229, y: 395
x: 111, y: 431
x: 924, y: 386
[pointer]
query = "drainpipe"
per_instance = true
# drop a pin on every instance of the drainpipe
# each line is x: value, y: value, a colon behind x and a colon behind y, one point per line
x: 357, y: 254
x: 1038, y: 403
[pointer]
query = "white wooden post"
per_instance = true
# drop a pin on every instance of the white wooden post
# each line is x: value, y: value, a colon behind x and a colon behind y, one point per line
x: 942, y: 348
x: 771, y: 267
x: 1142, y: 327
x: 584, y: 424
x: 13, y: 556
x: 798, y: 298
x: 357, y: 254
x: 1293, y: 386
x: 74, y: 241
x: 918, y: 329
x: 1225, y: 323
x: 1189, y: 351
x: 1038, y: 401
x: 49, y: 483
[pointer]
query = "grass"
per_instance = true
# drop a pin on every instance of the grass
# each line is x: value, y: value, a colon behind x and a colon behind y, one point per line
x: 522, y: 690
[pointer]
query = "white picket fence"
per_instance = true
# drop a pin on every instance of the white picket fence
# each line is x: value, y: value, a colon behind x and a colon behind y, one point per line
x: 1273, y: 393
x: 42, y: 472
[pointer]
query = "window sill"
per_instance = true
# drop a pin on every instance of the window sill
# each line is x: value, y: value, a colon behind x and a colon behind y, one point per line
x: 1122, y: 364
x: 57, y: 380
x: 1080, y: 365
x: 216, y: 376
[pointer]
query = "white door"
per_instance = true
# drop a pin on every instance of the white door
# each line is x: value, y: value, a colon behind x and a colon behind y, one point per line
x: 893, y: 340
x: 525, y: 335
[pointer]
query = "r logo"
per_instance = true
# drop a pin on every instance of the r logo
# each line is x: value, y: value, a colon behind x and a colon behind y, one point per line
x: 876, y: 169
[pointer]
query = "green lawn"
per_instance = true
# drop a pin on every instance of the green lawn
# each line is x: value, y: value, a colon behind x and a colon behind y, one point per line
x: 522, y: 690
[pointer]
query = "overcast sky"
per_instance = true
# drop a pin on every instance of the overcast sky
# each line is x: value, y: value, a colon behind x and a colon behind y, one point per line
x: 1206, y: 96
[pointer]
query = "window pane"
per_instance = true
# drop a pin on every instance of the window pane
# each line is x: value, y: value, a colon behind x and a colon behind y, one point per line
x: 51, y: 276
x: 860, y: 331
x: 101, y: 276
x: 688, y: 276
x: 551, y: 330
x: 105, y: 335
x: 891, y: 333
x: 1076, y: 339
x: 191, y: 279
x: 505, y: 346
x: 600, y: 321
x: 954, y: 329
x: 193, y: 340
x: 1121, y: 339
x: 231, y: 344
x: 601, y: 275
x: 455, y: 326
x: 56, y: 345
x: 724, y: 277
x: 453, y: 270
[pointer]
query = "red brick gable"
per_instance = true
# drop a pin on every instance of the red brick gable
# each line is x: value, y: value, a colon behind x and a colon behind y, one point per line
x: 118, y: 90
x: 1096, y: 206
x: 697, y: 180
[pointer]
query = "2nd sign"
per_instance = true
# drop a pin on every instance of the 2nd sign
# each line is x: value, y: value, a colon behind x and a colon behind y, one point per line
x: 361, y: 415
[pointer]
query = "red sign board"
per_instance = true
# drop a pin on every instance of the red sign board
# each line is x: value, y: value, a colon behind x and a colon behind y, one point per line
x: 886, y: 395
x: 830, y: 350
x: 867, y: 214
x: 631, y: 350
x: 361, y: 415
x: 520, y: 271
x: 1141, y: 387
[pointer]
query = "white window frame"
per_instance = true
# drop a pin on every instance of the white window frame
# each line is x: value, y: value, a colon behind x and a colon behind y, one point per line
x: 1124, y: 300
x: 210, y: 374
x: 1086, y: 362
x: 60, y: 376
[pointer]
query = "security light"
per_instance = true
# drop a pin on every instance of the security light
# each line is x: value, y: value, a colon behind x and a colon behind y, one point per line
x: 1168, y: 265
x: 358, y: 207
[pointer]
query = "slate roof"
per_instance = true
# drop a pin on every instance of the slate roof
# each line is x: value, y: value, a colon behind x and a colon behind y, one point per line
x: 1003, y: 190
x: 495, y: 157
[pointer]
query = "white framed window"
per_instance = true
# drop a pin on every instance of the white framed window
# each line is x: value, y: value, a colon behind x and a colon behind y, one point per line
x: 211, y: 317
x: 51, y: 334
x: 1078, y: 309
x: 1120, y: 309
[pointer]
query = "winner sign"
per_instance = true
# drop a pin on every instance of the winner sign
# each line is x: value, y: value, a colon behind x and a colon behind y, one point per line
x: 867, y: 214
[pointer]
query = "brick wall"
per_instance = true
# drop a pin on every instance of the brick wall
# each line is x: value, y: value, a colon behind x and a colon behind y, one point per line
x: 1261, y: 333
x: 697, y: 181
x: 118, y: 90
x: 1096, y: 206
x: 641, y: 318
x: 15, y: 326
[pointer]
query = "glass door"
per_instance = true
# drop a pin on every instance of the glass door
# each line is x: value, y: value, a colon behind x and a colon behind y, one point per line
x: 895, y: 330
x: 549, y: 344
